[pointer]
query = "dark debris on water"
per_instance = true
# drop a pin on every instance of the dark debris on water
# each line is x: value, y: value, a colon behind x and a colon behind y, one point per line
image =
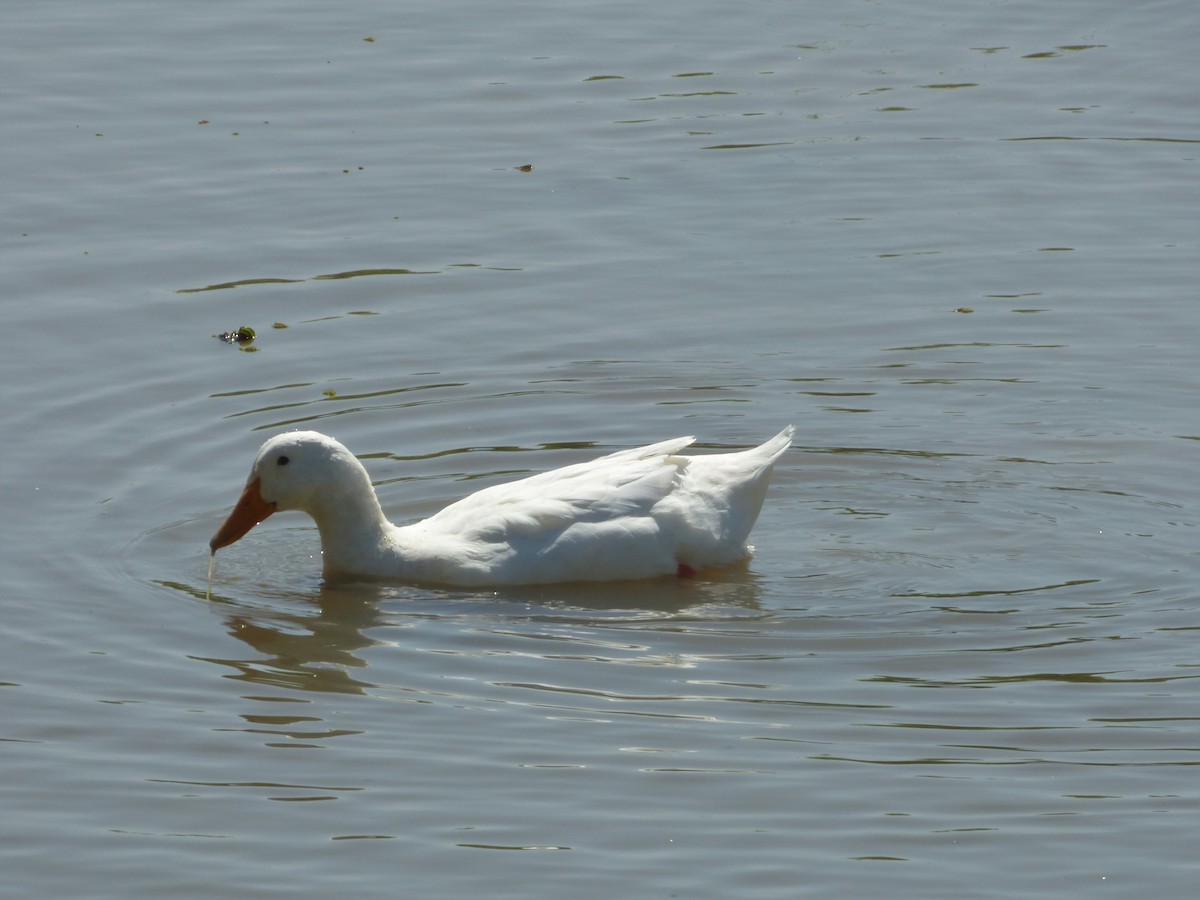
x: 243, y: 335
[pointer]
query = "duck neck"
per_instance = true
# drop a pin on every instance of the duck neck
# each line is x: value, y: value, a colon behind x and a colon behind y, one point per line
x: 352, y: 526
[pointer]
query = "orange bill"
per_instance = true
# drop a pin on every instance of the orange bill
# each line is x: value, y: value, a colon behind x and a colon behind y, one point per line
x: 251, y: 509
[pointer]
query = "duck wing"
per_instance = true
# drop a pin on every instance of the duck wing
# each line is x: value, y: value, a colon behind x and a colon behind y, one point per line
x: 614, y: 488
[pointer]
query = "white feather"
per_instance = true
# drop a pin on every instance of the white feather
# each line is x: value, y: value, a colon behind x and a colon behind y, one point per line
x: 636, y: 513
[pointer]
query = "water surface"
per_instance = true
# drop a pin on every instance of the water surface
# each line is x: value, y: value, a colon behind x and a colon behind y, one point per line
x: 955, y: 245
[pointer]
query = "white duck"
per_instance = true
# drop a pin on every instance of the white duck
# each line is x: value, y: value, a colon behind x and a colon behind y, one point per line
x: 636, y: 513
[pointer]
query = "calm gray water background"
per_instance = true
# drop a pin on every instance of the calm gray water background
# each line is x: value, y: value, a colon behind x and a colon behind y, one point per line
x: 955, y: 243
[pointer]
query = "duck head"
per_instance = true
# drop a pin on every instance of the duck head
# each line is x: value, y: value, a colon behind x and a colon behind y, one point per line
x: 301, y: 470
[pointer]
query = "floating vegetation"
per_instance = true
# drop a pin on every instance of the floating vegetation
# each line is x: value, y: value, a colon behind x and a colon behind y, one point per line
x: 243, y: 335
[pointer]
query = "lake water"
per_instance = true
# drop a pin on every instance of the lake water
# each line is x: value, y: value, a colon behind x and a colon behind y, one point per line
x: 954, y: 243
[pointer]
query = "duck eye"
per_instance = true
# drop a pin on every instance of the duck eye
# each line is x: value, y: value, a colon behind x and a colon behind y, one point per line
x: 283, y: 461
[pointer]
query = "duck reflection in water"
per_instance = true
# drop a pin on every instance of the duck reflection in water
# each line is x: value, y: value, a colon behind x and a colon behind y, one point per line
x: 322, y: 643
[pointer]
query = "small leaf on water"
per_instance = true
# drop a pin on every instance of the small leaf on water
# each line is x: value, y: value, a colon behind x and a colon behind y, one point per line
x: 243, y: 335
